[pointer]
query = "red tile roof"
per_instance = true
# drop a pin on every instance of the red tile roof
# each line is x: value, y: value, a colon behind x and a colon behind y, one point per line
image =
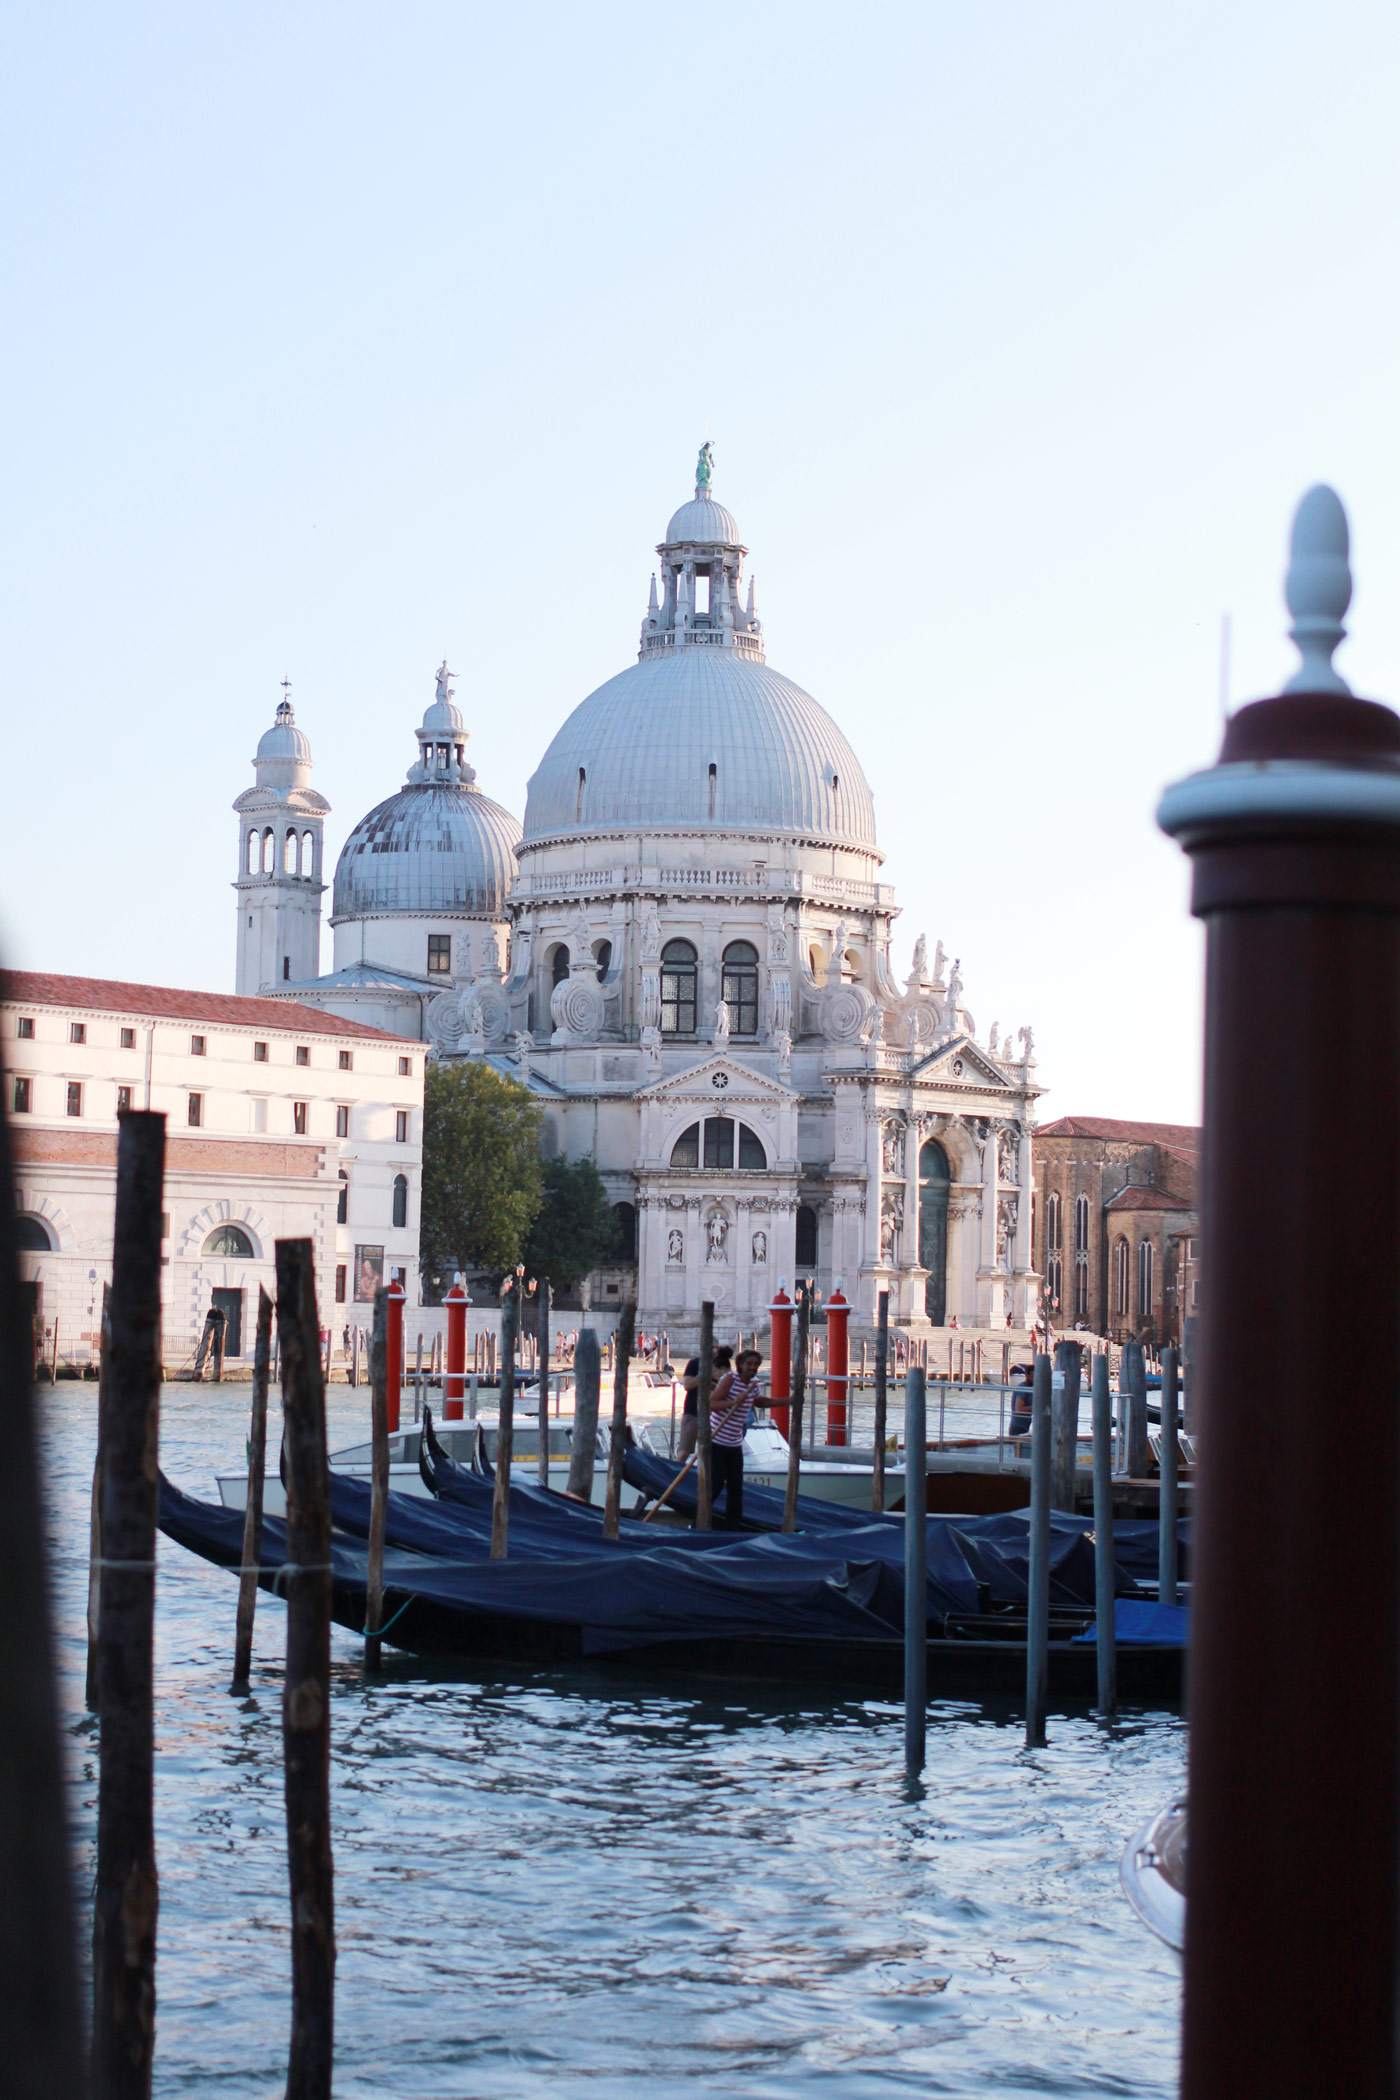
x: 111, y: 995
x: 1179, y: 1137
x: 1136, y: 1197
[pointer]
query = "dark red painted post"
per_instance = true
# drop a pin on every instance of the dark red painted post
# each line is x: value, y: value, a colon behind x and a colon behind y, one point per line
x: 1294, y: 839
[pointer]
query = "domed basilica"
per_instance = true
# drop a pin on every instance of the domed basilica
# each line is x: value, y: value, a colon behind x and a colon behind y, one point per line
x: 685, y: 953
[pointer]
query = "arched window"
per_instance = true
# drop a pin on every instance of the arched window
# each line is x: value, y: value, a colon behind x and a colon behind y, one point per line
x: 578, y: 798
x: 816, y: 963
x: 935, y: 1178
x: 1120, y: 1279
x: 32, y: 1236
x: 289, y: 854
x: 806, y: 1252
x: 558, y: 965
x: 1081, y: 1224
x: 678, y: 988
x: 1052, y: 1220
x: 251, y: 856
x: 230, y: 1242
x: 1054, y: 1281
x: 725, y: 1145
x: 714, y: 782
x: 1144, y: 1279
x: 307, y: 865
x: 626, y: 1216
x: 740, y: 986
x: 602, y: 956
x: 850, y: 967
x: 267, y: 850
x: 1081, y: 1286
x: 400, y: 1212
x: 342, y: 1201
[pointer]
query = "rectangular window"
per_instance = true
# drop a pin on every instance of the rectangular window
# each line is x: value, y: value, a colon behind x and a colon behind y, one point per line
x: 439, y: 955
x: 24, y: 1028
x: 123, y: 1099
x: 77, y: 1031
x: 405, y: 1067
x: 340, y: 1283
x: 75, y: 1097
x: 128, y: 1039
x: 259, y: 1112
x: 22, y: 1098
x: 719, y: 1141
x: 196, y: 1046
x: 346, y: 1060
x: 260, y: 1053
x: 194, y: 1111
x: 342, y: 1121
x: 286, y: 966
x: 299, y: 1118
x: 401, y: 1127
x: 303, y: 1053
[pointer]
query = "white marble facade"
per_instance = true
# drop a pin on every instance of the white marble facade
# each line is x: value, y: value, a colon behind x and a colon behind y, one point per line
x: 693, y: 970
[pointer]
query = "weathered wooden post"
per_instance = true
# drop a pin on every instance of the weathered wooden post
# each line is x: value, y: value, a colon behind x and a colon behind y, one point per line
x: 1038, y: 1574
x: 1133, y: 1380
x: 306, y: 1696
x: 379, y: 1480
x: 583, y: 1442
x: 882, y: 1388
x: 915, y: 1574
x: 505, y: 1427
x: 704, y: 1471
x: 95, y: 1512
x: 1064, y: 1414
x: 41, y: 2014
x: 542, y: 1383
x: 253, y: 1503
x: 798, y: 1386
x: 1294, y: 839
x: 127, y: 1897
x: 617, y: 1441
x: 1168, y: 1496
x: 1105, y: 1582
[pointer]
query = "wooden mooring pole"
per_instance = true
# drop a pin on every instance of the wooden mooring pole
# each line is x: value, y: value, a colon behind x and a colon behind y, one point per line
x: 1168, y: 1490
x: 1038, y: 1575
x: 617, y: 1440
x: 379, y: 1480
x: 583, y: 1442
x: 1105, y: 1582
x: 41, y: 2013
x: 127, y: 1894
x: 704, y: 1472
x: 915, y: 1573
x: 95, y: 1512
x: 542, y: 1383
x: 306, y: 1698
x: 1064, y: 1414
x: 882, y: 1388
x: 797, y: 1382
x: 1293, y: 1808
x: 505, y: 1428
x: 253, y: 1504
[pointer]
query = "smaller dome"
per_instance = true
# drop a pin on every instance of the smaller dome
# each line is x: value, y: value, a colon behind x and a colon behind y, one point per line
x: 284, y: 740
x: 430, y: 848
x: 443, y: 718
x: 703, y: 523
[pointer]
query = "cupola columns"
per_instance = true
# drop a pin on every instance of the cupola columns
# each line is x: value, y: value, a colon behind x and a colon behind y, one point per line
x: 278, y: 884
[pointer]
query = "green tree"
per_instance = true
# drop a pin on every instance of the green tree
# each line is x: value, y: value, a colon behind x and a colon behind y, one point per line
x: 481, y: 1167
x: 575, y: 1230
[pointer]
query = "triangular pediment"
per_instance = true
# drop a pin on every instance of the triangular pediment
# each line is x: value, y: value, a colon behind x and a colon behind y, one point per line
x: 978, y: 1068
x: 718, y: 1078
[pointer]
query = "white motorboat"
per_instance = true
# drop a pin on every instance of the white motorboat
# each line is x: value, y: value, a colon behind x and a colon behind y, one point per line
x: 1153, y: 1874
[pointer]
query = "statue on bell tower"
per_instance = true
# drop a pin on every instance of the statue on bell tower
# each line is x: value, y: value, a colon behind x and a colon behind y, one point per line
x: 704, y: 469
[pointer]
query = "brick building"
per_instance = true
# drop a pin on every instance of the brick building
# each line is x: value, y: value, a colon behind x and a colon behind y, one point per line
x: 1115, y: 1230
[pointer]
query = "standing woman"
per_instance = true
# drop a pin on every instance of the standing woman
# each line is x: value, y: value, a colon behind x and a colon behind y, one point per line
x: 731, y: 1411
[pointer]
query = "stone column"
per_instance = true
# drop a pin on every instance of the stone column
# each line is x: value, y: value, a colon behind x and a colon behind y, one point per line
x: 913, y: 1274
x: 694, y: 1256
x: 741, y: 1259
x: 782, y: 1244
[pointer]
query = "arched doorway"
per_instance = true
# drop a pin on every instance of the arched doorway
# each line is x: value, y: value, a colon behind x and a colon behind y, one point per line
x: 934, y: 1177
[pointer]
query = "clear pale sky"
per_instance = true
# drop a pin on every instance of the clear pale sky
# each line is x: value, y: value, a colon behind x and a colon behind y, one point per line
x: 337, y: 339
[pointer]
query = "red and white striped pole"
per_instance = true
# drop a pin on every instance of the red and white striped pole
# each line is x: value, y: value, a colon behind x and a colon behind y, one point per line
x: 780, y: 1357
x: 454, y: 1380
x: 395, y: 1298
x: 838, y: 1364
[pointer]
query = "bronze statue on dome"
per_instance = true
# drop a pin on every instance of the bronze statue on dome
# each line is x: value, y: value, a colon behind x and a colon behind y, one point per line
x: 704, y: 469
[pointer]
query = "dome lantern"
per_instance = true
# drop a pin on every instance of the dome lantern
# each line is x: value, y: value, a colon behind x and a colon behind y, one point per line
x: 702, y: 565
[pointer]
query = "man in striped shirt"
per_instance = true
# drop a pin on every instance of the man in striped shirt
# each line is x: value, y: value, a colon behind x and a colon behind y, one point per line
x: 731, y: 1411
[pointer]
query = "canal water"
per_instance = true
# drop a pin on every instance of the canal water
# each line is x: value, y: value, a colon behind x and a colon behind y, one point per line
x: 615, y: 1886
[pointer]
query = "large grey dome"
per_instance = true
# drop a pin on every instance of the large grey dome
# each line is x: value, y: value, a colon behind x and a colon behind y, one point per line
x: 701, y: 738
x: 432, y: 848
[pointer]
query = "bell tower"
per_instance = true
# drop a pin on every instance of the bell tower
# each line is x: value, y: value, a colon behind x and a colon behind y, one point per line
x: 279, y: 886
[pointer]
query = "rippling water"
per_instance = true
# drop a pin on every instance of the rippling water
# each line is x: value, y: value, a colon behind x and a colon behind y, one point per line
x: 561, y: 1876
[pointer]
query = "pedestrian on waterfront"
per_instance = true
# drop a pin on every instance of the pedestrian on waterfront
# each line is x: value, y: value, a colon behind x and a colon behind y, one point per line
x: 690, y: 1385
x: 731, y: 1411
x: 1021, y: 1400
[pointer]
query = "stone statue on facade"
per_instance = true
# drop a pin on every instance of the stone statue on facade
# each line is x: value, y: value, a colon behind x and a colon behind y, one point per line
x: 1027, y: 1042
x: 891, y: 1219
x: 523, y: 1043
x: 444, y: 688
x: 721, y: 1032
x: 992, y: 1038
x: 675, y: 1245
x: 474, y: 1022
x: 782, y: 1045
x: 716, y: 1236
x: 651, y: 934
x: 651, y: 1049
x: 1008, y: 1154
x: 760, y: 1248
x: 919, y: 971
x: 955, y: 987
x: 939, y: 954
x: 705, y: 469
x: 892, y: 1148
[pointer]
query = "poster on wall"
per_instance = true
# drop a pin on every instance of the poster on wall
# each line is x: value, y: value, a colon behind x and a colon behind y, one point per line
x: 369, y: 1273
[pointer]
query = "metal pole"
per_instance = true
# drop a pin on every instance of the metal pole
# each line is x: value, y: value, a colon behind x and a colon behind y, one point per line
x: 379, y: 1480
x: 505, y: 1429
x: 798, y: 1384
x: 1105, y: 1584
x: 1168, y: 1496
x: 1133, y: 1378
x: 915, y: 1575
x: 1064, y: 1412
x: 1038, y: 1582
x: 253, y: 1504
x: 882, y: 1376
x: 704, y: 1478
x: 542, y: 1383
x: 617, y: 1441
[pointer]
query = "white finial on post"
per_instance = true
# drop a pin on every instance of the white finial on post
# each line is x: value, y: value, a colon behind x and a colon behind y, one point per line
x: 1317, y: 589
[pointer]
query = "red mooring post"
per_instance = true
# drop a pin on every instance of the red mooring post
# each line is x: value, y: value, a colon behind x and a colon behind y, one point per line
x: 780, y: 1357
x: 395, y: 1298
x: 838, y: 1364
x: 1294, y: 839
x: 454, y: 1377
